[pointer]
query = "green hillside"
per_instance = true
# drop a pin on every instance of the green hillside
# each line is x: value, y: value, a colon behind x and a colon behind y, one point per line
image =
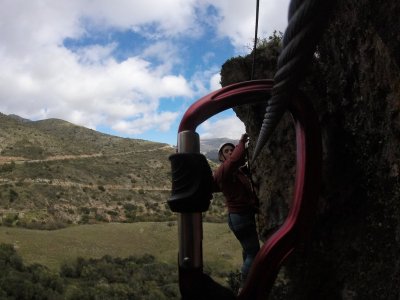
x: 54, y: 173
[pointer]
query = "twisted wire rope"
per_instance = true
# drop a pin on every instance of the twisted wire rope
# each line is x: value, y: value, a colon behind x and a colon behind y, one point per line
x: 306, y: 20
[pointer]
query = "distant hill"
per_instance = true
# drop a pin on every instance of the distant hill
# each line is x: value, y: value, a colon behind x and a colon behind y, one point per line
x: 54, y: 173
x: 18, y: 118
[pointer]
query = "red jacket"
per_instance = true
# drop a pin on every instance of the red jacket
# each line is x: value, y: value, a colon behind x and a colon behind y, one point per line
x: 233, y: 183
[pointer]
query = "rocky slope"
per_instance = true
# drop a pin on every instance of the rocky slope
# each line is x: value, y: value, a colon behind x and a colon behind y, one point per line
x: 54, y: 173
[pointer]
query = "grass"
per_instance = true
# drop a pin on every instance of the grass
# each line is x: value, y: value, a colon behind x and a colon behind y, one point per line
x: 51, y: 248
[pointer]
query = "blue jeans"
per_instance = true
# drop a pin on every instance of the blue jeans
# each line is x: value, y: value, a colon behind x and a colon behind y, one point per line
x: 244, y: 228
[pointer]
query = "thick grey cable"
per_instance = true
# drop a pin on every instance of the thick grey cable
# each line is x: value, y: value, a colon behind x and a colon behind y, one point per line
x: 306, y: 23
x: 255, y: 41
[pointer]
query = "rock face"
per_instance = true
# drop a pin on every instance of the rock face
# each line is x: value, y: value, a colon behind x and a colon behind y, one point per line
x: 354, y: 84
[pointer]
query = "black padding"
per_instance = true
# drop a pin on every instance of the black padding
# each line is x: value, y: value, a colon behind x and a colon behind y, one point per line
x: 191, y: 183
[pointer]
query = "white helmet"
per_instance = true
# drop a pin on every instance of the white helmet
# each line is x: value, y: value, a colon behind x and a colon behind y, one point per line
x: 223, y: 145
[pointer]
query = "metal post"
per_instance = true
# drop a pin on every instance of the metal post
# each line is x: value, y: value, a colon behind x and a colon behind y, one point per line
x: 190, y: 226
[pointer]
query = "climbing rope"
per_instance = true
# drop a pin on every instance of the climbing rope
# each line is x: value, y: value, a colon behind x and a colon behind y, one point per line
x: 306, y: 20
x: 255, y: 41
x: 250, y: 177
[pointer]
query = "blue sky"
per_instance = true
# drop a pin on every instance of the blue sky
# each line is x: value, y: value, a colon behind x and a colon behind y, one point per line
x: 128, y: 68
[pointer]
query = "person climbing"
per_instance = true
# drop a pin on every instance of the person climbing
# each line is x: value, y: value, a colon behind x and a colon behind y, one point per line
x: 230, y: 179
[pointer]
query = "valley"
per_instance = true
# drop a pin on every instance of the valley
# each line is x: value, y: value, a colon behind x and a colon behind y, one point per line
x: 73, y: 200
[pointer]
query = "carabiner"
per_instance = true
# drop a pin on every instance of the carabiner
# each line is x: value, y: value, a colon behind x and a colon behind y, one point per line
x: 279, y: 246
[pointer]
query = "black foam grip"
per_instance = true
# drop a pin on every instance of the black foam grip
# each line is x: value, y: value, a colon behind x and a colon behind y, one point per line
x: 191, y: 183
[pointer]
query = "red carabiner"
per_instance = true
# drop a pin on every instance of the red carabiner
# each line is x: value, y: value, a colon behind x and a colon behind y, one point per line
x: 230, y: 96
x: 308, y: 169
x: 300, y: 218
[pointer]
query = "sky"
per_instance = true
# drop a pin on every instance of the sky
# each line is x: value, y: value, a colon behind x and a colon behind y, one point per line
x: 129, y: 68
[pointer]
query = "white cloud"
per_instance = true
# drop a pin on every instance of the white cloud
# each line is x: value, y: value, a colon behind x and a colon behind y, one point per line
x: 32, y: 25
x: 228, y: 127
x: 215, y: 82
x: 160, y: 121
x: 237, y: 20
x: 165, y: 52
x: 95, y: 54
x: 174, y: 86
x: 56, y: 81
x: 41, y: 78
x: 167, y: 17
x: 205, y: 81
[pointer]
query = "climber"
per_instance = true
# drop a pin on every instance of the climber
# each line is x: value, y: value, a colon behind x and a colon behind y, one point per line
x: 230, y: 179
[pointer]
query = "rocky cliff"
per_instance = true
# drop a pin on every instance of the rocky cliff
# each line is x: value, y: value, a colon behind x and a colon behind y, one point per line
x: 354, y: 84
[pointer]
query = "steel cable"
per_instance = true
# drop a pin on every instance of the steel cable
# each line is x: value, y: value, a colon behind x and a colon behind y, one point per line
x: 306, y: 20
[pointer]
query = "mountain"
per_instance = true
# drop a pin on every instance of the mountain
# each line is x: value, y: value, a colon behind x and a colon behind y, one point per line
x: 54, y: 173
x: 18, y: 118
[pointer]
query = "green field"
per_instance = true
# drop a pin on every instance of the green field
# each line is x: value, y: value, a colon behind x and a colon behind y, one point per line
x: 51, y: 248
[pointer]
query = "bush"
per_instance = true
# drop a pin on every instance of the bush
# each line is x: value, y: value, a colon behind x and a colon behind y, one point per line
x: 44, y: 225
x: 131, y: 216
x: 100, y: 218
x: 112, y: 212
x: 18, y: 281
x: 68, y: 270
x: 7, y: 168
x: 13, y: 195
x: 9, y: 258
x: 84, y: 219
x: 121, y: 278
x: 10, y: 219
x: 85, y: 210
x: 140, y: 278
x: 129, y: 206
